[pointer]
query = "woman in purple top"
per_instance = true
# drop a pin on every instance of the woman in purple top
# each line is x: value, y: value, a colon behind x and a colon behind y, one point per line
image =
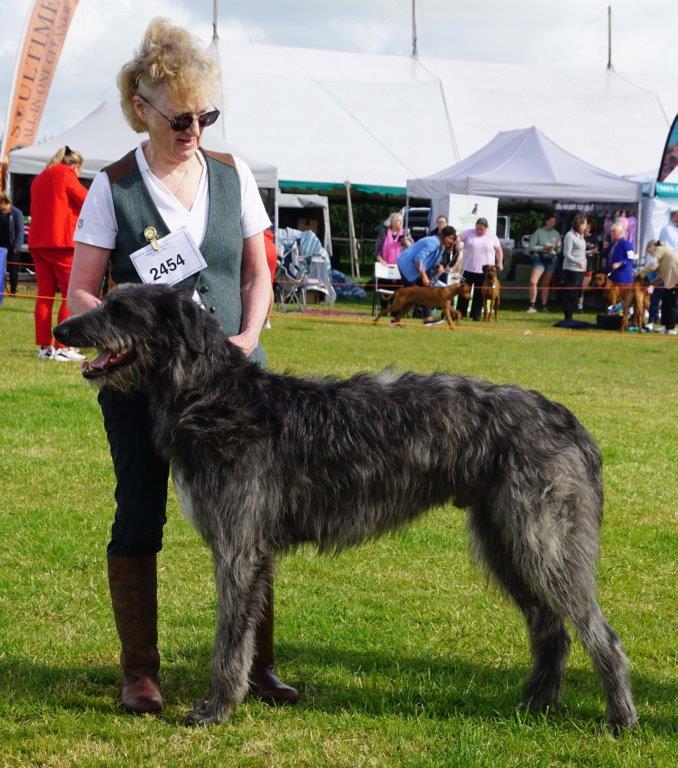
x: 480, y: 247
x: 619, y: 256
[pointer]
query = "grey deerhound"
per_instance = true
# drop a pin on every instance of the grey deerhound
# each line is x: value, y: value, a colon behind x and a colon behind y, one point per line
x: 266, y: 462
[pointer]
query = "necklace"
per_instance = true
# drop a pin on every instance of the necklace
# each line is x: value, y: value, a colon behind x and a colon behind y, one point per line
x: 175, y: 192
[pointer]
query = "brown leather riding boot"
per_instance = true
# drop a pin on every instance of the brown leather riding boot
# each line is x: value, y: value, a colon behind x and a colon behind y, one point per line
x: 263, y: 683
x: 133, y: 583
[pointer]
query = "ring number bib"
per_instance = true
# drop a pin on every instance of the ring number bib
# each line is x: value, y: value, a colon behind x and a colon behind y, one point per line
x: 169, y: 259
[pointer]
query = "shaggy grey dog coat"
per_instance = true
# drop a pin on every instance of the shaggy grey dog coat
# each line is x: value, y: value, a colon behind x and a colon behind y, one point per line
x: 268, y: 462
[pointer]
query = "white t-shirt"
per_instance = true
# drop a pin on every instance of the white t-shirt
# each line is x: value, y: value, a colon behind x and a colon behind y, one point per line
x: 478, y: 250
x: 669, y: 236
x: 97, y: 224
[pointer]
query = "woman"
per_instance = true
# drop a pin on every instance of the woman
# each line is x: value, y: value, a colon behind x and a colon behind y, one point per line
x: 56, y: 199
x: 665, y: 264
x: 168, y: 183
x: 619, y: 256
x: 11, y: 238
x: 574, y: 264
x: 392, y: 241
x: 544, y: 247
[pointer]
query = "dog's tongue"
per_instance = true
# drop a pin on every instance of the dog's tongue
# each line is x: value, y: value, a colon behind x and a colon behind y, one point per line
x: 99, y: 362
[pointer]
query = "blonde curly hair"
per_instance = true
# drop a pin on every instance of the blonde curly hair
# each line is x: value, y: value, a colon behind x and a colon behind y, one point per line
x: 168, y: 56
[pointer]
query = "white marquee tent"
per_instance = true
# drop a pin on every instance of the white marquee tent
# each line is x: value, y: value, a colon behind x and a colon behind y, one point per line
x: 324, y: 117
x: 525, y: 164
x: 328, y: 116
x: 104, y: 136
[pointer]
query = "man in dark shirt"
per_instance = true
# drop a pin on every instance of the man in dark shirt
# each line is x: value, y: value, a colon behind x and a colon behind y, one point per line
x: 11, y: 237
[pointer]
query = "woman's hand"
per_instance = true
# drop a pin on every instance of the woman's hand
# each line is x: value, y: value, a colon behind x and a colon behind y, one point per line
x: 616, y: 265
x: 247, y: 341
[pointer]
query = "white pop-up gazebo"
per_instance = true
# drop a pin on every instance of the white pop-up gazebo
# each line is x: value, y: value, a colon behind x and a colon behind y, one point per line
x: 525, y: 164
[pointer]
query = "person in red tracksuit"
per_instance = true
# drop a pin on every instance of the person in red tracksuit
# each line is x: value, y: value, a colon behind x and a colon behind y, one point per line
x: 272, y: 261
x: 56, y: 199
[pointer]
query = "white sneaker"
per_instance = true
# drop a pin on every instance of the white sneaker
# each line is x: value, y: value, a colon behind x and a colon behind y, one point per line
x: 672, y: 332
x: 267, y: 325
x: 531, y: 310
x: 46, y: 353
x: 659, y: 329
x: 68, y: 353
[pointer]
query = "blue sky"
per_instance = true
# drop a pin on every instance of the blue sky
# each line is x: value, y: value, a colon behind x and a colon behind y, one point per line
x: 565, y: 33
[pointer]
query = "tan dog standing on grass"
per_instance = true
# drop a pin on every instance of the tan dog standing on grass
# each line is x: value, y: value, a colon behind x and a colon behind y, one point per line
x: 611, y: 291
x: 406, y: 298
x: 491, y: 289
x: 635, y: 295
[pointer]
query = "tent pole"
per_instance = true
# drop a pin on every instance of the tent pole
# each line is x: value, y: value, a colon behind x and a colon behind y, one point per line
x: 609, y: 37
x: 355, y: 266
x: 414, y: 29
x: 215, y: 9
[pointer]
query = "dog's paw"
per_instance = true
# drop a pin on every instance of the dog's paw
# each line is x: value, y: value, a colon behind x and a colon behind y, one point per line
x: 619, y: 722
x: 208, y: 712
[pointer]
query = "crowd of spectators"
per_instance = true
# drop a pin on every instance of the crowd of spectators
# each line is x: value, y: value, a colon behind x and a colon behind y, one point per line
x: 565, y: 263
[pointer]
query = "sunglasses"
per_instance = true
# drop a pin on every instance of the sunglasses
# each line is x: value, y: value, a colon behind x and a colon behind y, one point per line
x: 185, y: 119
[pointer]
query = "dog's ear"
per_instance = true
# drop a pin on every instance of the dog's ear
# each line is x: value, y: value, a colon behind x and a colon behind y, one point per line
x: 190, y: 323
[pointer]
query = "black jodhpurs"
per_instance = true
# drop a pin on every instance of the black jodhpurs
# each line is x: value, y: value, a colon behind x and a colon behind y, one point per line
x: 570, y: 281
x: 475, y: 279
x: 669, y: 308
x: 141, y: 475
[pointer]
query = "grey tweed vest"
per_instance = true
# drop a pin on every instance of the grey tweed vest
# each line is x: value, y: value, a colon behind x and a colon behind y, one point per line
x: 221, y: 247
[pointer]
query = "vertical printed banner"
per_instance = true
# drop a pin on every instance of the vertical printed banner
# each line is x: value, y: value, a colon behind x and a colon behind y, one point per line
x: 667, y: 179
x: 43, y: 40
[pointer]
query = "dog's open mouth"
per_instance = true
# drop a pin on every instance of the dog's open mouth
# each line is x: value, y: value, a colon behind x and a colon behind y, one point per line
x: 104, y: 363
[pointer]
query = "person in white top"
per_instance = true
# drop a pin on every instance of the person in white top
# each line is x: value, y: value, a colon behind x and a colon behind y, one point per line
x: 169, y: 182
x: 669, y: 233
x: 480, y: 247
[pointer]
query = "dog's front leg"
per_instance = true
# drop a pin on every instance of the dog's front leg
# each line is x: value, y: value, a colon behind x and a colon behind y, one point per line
x: 240, y: 583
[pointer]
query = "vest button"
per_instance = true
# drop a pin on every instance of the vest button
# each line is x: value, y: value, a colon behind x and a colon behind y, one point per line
x: 204, y: 289
x: 213, y: 310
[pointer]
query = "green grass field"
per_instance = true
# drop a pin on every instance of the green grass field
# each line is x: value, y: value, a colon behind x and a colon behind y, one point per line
x: 403, y: 654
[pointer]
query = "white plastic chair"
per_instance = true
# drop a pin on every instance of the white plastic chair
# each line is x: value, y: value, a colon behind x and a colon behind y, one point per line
x: 382, y: 272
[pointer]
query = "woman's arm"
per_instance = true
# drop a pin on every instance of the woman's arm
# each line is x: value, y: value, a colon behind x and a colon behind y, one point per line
x: 76, y: 191
x: 255, y: 288
x: 87, y: 274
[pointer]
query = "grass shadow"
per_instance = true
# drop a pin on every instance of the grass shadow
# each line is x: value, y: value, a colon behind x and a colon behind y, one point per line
x: 380, y: 685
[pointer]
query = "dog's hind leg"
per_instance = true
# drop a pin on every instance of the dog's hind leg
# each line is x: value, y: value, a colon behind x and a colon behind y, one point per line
x: 609, y: 659
x: 383, y: 311
x: 549, y: 639
x: 241, y: 582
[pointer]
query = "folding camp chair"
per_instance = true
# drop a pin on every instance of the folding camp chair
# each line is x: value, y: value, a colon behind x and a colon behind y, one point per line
x: 384, y: 272
x: 290, y: 281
